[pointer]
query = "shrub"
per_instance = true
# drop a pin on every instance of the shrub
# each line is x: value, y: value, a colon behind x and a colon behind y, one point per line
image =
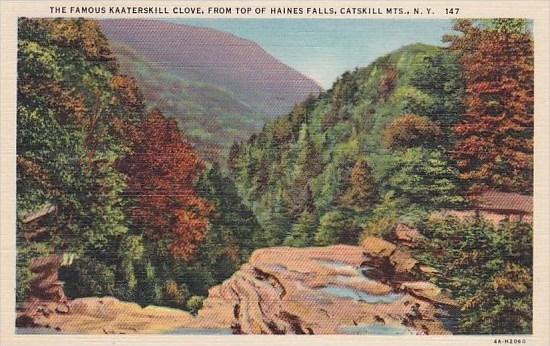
x: 88, y: 276
x: 174, y: 295
x: 380, y: 227
x: 194, y: 304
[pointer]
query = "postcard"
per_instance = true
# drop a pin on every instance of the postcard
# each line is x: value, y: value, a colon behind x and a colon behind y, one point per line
x: 221, y: 172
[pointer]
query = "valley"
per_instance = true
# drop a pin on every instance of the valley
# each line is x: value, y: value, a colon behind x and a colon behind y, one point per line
x: 179, y: 179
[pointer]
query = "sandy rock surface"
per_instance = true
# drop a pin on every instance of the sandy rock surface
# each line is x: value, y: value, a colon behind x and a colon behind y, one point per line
x: 324, y: 290
x: 107, y: 315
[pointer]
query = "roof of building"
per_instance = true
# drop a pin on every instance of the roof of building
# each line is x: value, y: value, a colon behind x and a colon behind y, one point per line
x: 504, y: 201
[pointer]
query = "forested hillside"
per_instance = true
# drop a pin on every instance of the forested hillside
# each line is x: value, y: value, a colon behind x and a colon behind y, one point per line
x: 415, y: 131
x: 219, y: 87
x: 369, y: 151
x: 117, y: 188
x: 419, y: 130
x: 211, y: 117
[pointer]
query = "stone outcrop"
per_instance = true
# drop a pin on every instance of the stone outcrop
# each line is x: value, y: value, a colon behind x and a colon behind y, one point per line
x: 368, y: 289
x: 107, y: 315
x: 45, y: 296
x: 47, y: 306
x: 407, y: 236
x: 327, y: 290
x: 389, y: 263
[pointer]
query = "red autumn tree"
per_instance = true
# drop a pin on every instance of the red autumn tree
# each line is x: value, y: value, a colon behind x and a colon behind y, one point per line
x: 162, y: 172
x: 494, y: 147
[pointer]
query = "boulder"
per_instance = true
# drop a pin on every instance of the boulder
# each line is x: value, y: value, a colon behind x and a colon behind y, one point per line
x: 377, y: 247
x: 388, y: 261
x: 403, y: 263
x: 45, y: 284
x: 427, y: 291
x: 407, y: 236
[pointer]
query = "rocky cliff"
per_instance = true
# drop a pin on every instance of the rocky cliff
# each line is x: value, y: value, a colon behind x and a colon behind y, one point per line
x: 369, y: 289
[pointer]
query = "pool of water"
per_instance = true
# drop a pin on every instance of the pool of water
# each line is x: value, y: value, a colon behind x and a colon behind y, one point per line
x: 375, y: 329
x: 200, y: 331
x: 350, y: 293
x: 348, y: 279
x: 36, y: 330
x: 337, y: 265
x: 277, y: 267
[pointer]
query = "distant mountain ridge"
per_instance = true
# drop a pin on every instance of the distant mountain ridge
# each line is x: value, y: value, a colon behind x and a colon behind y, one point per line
x: 210, y: 56
x: 211, y: 117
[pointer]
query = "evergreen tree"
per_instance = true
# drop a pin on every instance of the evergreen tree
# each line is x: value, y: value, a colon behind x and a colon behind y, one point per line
x: 308, y: 166
x: 440, y: 77
x: 424, y: 177
x: 337, y: 227
x: 361, y: 193
x: 233, y: 156
x: 303, y: 231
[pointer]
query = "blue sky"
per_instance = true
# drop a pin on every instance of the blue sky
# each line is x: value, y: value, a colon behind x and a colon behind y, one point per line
x: 322, y: 48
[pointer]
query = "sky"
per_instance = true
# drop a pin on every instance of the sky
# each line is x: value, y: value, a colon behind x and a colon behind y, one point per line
x: 323, y: 49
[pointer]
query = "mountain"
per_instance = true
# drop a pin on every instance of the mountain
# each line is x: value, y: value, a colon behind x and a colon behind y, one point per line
x: 363, y: 155
x: 220, y: 87
x: 211, y: 117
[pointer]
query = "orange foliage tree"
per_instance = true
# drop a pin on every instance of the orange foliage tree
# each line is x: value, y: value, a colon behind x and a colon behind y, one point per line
x: 162, y: 171
x: 494, y: 147
x: 409, y: 131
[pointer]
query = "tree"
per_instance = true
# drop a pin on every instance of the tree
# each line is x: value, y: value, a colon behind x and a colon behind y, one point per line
x: 337, y: 227
x: 308, y: 166
x: 67, y: 142
x: 494, y: 147
x: 361, y: 193
x: 162, y: 171
x: 233, y: 231
x: 410, y: 100
x: 425, y: 178
x: 440, y: 77
x: 303, y: 231
x: 387, y: 83
x: 297, y: 117
x: 233, y: 156
x: 486, y: 268
x: 409, y: 131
